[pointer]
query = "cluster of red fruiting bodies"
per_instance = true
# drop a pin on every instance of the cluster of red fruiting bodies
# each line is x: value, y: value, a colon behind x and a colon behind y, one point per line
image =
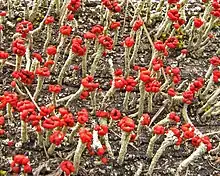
x: 184, y: 132
x: 20, y: 161
x: 45, y: 120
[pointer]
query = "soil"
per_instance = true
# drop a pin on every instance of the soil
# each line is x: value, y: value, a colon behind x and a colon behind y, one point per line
x: 191, y: 67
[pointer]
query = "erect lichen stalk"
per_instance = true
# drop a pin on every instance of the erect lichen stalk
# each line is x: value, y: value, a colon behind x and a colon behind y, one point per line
x: 188, y: 25
x: 191, y: 36
x: 9, y: 111
x: 111, y: 91
x: 84, y: 59
x: 209, y: 112
x: 35, y: 64
x: 24, y: 135
x: 208, y: 87
x: 136, y: 47
x: 65, y: 67
x: 127, y: 59
x: 40, y: 138
x: 139, y: 127
x: 207, y: 11
x: 125, y: 16
x: 126, y: 99
x: 34, y: 10
x: 165, y: 22
x: 57, y: 2
x: 59, y: 48
x: 9, y: 6
x: 54, y: 102
x: 96, y: 60
x: 203, y: 35
x: 63, y: 14
x: 208, y: 29
x: 1, y: 37
x: 210, y: 100
x: 150, y: 147
x: 141, y: 100
x: 51, y: 149
x: 78, y: 153
x: 160, y: 6
x: 185, y: 114
x: 107, y: 21
x: 104, y: 121
x: 74, y: 130
x: 18, y: 62
x: 47, y: 139
x: 150, y: 102
x: 28, y: 52
x: 40, y: 82
x: 74, y: 96
x: 103, y: 13
x: 49, y: 32
x: 169, y: 140
x: 195, y: 155
x: 116, y: 33
x: 137, y: 11
x: 125, y: 138
x: 35, y: 31
x: 93, y: 101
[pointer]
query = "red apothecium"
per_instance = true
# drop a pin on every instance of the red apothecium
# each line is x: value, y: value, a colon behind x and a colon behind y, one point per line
x: 145, y: 119
x: 74, y: 5
x: 137, y: 24
x: 115, y: 114
x: 198, y: 22
x: 37, y: 56
x: 51, y: 50
x: 173, y: 116
x: 55, y: 88
x: 97, y: 29
x: 77, y: 47
x: 129, y: 42
x: 115, y: 25
x: 173, y: 15
x: 67, y: 167
x: 106, y: 42
x: 49, y: 20
x: 158, y: 129
x: 18, y: 47
x: 85, y: 135
x: 66, y: 30
x: 24, y: 27
x: 89, y: 36
x: 102, y: 129
x: 83, y: 116
x: 126, y: 124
